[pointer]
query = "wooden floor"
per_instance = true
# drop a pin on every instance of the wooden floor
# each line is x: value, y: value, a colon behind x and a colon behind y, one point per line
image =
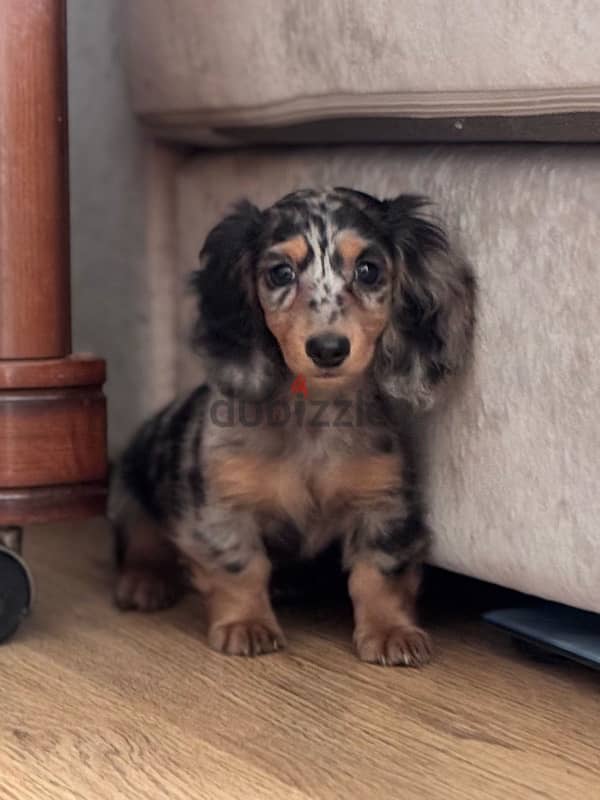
x: 95, y: 704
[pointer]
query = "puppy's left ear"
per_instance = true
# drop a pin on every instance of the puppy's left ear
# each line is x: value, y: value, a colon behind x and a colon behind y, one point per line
x: 430, y: 333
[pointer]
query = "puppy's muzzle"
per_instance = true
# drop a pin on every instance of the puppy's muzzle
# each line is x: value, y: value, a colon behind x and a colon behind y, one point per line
x: 328, y: 349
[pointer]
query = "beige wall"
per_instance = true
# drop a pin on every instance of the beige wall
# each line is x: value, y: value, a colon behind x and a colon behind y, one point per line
x: 110, y: 310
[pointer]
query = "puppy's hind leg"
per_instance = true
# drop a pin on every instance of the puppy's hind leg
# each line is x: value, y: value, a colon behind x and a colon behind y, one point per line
x: 149, y: 575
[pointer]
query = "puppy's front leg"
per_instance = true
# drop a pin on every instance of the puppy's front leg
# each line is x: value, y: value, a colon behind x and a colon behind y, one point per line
x: 385, y: 575
x: 241, y: 621
x: 230, y: 569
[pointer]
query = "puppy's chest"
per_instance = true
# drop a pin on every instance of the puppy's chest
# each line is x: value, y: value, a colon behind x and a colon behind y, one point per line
x: 311, y: 484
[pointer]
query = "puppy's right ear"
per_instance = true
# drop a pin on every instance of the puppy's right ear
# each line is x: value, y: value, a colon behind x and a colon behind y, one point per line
x: 230, y: 327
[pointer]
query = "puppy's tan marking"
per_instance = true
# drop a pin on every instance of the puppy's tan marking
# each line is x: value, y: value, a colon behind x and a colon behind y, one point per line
x: 291, y: 331
x: 252, y: 481
x: 362, y: 325
x: 360, y: 480
x: 384, y: 615
x: 295, y: 248
x: 350, y: 245
x: 283, y: 488
x: 241, y: 621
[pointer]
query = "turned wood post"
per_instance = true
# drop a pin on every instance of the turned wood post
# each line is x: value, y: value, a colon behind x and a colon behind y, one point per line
x: 52, y: 410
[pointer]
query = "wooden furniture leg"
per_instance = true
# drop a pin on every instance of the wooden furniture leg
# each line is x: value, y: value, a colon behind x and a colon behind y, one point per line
x: 52, y: 411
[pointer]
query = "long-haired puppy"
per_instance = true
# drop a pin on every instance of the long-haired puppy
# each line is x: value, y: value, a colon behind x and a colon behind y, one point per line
x: 326, y: 321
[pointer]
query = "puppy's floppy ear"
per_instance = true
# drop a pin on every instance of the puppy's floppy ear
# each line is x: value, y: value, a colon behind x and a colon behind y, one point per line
x: 230, y: 327
x: 430, y: 333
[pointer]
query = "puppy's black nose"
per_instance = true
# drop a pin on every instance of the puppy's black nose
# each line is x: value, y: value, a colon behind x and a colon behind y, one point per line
x: 328, y: 349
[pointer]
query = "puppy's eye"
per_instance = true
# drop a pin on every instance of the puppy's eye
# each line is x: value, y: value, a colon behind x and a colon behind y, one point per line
x: 281, y: 275
x: 367, y: 273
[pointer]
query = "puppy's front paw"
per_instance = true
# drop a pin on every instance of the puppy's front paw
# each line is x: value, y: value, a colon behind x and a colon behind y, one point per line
x: 246, y: 638
x: 401, y: 645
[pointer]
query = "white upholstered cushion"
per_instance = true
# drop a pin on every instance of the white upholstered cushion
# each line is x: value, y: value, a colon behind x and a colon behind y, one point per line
x: 209, y: 64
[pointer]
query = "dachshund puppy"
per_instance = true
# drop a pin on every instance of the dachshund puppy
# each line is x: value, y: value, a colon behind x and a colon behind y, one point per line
x: 327, y: 321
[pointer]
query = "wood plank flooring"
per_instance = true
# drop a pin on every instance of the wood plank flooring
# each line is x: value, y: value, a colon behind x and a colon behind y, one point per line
x: 95, y: 704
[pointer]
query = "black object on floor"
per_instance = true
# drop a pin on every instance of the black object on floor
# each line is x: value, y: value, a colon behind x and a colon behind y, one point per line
x: 552, y: 629
x: 15, y: 592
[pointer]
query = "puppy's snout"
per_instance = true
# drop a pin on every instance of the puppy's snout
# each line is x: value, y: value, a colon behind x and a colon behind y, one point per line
x: 328, y: 349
